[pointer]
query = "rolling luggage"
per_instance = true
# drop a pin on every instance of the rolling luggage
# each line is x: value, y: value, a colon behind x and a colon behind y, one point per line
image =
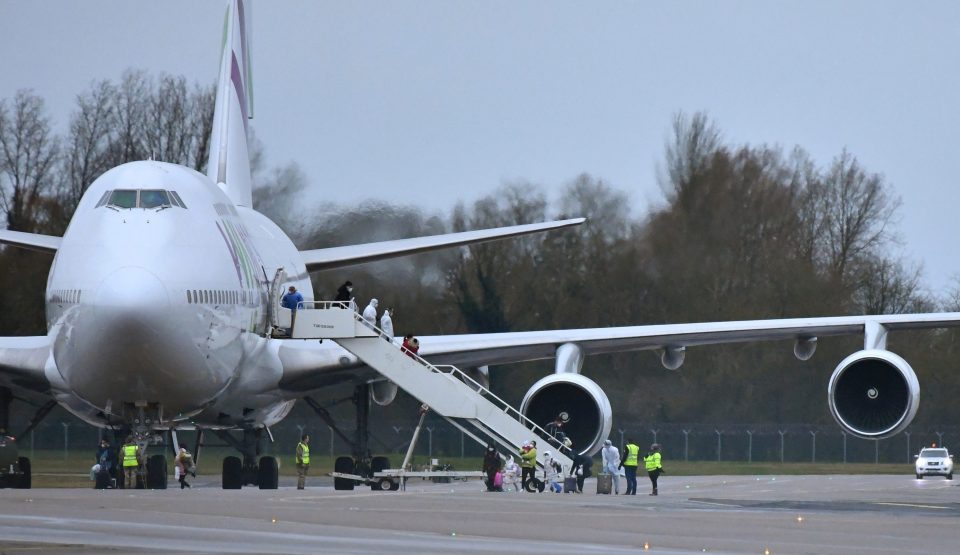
x: 102, y: 479
x: 570, y: 484
x: 604, y: 483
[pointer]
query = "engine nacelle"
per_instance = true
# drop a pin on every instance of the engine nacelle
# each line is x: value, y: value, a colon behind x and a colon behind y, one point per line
x: 581, y: 398
x: 383, y: 392
x: 873, y: 394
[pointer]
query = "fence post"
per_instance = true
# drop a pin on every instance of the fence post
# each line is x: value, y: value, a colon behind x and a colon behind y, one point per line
x: 621, y: 437
x: 66, y: 438
x: 429, y: 441
x: 686, y: 445
x: 331, y: 441
x: 782, y: 433
x: 749, y: 446
x: 939, y: 439
x: 654, y: 432
x: 719, y: 444
x: 844, y: 447
x: 908, y: 445
x: 461, y: 444
x: 813, y: 456
x: 876, y: 451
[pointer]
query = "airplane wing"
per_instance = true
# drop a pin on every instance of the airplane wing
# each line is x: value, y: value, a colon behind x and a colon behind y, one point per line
x: 22, y: 361
x: 32, y: 241
x: 336, y: 257
x: 502, y: 348
x: 311, y: 365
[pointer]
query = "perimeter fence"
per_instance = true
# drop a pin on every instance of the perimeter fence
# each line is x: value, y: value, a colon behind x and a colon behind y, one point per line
x: 796, y: 443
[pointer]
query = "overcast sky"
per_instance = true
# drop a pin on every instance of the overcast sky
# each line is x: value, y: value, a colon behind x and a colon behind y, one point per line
x: 432, y: 102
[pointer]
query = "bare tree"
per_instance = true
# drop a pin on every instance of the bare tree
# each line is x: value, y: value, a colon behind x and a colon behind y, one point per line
x: 85, y: 150
x: 28, y: 153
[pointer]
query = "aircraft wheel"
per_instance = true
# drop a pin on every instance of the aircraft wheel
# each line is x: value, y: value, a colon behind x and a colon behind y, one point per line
x: 950, y: 476
x: 232, y: 477
x: 26, y: 479
x: 344, y: 465
x: 269, y: 473
x: 378, y: 464
x: 157, y: 472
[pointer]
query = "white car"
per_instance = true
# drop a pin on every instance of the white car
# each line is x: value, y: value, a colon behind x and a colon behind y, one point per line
x: 934, y: 461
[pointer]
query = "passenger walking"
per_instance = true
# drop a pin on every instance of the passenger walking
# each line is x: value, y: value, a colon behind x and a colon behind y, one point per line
x: 652, y: 464
x: 582, y: 465
x: 552, y: 472
x: 370, y: 313
x: 528, y: 463
x: 629, y: 465
x: 611, y: 464
x: 131, y: 463
x: 344, y: 295
x: 410, y: 345
x: 511, y: 474
x: 386, y: 324
x: 184, y: 465
x: 303, y: 460
x: 491, y: 465
x: 292, y: 300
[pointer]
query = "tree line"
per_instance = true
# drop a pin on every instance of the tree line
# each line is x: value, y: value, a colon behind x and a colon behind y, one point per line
x: 741, y: 232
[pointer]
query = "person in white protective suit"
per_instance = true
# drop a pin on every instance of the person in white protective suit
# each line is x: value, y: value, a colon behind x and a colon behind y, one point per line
x: 511, y: 475
x: 552, y: 473
x: 611, y: 463
x: 386, y: 324
x: 370, y: 313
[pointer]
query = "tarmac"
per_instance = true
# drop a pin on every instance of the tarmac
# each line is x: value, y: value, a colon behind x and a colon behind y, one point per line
x: 704, y: 514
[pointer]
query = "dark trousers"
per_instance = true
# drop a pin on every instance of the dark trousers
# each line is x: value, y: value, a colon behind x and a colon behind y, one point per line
x: 580, y: 480
x: 527, y: 474
x: 631, y: 472
x: 654, y: 474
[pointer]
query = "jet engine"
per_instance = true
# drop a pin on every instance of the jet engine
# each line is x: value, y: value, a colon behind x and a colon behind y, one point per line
x: 587, y: 406
x: 873, y: 394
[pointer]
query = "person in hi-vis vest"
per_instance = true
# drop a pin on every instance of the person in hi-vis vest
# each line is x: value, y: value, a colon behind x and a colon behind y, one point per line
x: 629, y: 464
x: 303, y: 460
x: 131, y: 463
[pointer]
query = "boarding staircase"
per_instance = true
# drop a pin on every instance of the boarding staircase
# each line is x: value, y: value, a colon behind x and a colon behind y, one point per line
x: 448, y: 391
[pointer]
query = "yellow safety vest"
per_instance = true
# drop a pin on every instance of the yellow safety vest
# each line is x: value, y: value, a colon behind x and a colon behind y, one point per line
x: 528, y: 459
x: 652, y: 462
x: 130, y: 455
x: 304, y: 451
x: 633, y: 452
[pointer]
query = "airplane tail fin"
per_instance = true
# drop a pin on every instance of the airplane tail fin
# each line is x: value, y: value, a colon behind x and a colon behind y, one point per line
x: 229, y: 163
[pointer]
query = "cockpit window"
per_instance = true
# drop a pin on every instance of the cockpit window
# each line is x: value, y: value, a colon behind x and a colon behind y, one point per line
x: 143, y: 198
x: 153, y: 198
x: 123, y: 198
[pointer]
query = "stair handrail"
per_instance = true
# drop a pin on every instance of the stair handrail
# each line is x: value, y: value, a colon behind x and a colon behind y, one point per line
x: 506, y: 407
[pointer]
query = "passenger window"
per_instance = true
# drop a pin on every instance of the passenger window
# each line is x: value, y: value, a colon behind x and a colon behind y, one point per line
x: 153, y: 198
x: 123, y: 198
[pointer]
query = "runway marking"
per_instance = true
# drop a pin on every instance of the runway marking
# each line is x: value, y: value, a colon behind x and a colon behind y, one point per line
x: 913, y: 505
x: 715, y: 503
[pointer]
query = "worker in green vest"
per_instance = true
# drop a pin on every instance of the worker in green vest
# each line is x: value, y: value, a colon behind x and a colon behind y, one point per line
x: 652, y: 463
x: 131, y: 463
x: 303, y: 460
x: 629, y: 465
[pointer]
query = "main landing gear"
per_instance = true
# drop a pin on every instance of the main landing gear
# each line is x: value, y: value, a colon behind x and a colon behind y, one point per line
x: 361, y: 462
x: 248, y: 471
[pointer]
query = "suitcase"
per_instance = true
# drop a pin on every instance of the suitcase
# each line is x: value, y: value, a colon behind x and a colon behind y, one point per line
x: 570, y: 484
x: 604, y: 484
x: 102, y: 480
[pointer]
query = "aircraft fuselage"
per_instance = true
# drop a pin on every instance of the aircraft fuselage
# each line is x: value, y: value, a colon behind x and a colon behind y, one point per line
x: 158, y: 297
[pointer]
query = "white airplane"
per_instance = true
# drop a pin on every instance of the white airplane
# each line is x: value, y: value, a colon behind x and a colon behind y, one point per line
x: 161, y: 294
